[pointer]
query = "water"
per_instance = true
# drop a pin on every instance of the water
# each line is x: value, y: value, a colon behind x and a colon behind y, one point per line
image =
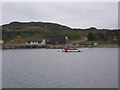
x: 47, y: 68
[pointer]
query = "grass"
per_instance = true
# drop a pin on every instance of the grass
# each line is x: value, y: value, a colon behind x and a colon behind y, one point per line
x: 69, y: 41
x: 110, y: 42
x: 100, y: 42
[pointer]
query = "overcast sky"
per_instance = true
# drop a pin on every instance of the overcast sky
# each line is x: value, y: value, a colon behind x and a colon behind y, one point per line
x: 75, y: 15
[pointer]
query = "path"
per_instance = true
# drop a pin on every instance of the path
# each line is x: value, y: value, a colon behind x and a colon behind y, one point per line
x: 77, y: 41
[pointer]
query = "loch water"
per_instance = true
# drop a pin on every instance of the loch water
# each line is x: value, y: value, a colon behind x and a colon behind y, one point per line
x: 47, y: 68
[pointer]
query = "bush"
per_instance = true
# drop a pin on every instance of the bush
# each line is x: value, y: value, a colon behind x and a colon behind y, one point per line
x: 96, y: 35
x: 91, y: 36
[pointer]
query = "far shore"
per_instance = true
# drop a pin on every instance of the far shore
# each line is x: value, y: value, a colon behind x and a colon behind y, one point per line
x: 57, y: 46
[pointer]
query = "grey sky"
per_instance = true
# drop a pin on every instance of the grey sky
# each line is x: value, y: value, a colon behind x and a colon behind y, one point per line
x: 74, y: 15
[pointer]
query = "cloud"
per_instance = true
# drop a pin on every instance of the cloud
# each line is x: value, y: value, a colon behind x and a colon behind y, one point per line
x: 73, y: 14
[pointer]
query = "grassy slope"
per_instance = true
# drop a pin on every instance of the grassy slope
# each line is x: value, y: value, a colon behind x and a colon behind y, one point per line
x: 14, y: 36
x: 20, y: 36
x: 100, y: 42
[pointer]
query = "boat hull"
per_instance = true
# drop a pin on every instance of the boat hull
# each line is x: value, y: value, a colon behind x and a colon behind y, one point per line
x: 66, y: 50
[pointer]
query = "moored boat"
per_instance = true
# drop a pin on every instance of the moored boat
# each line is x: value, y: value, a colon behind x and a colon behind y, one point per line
x: 72, y: 50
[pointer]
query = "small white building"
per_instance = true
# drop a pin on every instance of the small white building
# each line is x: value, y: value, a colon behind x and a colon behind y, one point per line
x: 1, y: 42
x: 66, y: 38
x: 39, y: 41
x: 95, y: 44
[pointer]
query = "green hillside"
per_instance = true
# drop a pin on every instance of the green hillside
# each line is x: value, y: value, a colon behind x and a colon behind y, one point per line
x: 17, y: 32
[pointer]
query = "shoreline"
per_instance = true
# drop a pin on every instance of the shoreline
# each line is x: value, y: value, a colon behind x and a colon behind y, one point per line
x: 59, y: 46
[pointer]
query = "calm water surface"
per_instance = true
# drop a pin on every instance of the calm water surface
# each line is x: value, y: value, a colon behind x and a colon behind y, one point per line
x: 47, y: 68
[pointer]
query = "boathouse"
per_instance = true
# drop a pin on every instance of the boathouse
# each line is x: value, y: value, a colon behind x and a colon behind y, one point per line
x: 58, y: 39
x: 40, y: 41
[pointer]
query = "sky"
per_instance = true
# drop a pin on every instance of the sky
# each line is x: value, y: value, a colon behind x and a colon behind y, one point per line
x: 73, y: 14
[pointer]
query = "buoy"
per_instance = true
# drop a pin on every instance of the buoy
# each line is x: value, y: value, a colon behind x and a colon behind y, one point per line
x: 58, y: 50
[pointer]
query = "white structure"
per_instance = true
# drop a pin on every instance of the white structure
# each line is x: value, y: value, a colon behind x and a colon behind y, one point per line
x: 66, y: 38
x: 1, y: 42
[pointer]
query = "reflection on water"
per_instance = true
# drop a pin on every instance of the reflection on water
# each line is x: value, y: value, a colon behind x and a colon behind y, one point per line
x: 47, y: 68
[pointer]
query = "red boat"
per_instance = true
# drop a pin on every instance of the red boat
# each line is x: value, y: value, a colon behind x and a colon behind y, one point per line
x: 72, y: 50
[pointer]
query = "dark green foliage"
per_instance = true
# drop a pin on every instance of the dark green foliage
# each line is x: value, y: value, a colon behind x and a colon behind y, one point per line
x: 11, y: 34
x: 97, y: 35
x: 91, y: 36
x: 43, y: 25
x: 57, y: 39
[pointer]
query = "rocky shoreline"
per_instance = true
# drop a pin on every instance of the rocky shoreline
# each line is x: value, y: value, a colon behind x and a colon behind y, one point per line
x: 59, y: 46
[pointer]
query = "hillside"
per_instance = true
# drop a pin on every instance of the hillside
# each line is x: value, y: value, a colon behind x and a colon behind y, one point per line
x: 34, y: 25
x: 24, y: 30
x: 18, y: 32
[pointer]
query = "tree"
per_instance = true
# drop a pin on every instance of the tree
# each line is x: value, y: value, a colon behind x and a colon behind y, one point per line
x: 91, y: 36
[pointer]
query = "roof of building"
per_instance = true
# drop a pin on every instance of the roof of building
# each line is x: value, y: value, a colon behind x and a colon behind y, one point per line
x: 34, y: 39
